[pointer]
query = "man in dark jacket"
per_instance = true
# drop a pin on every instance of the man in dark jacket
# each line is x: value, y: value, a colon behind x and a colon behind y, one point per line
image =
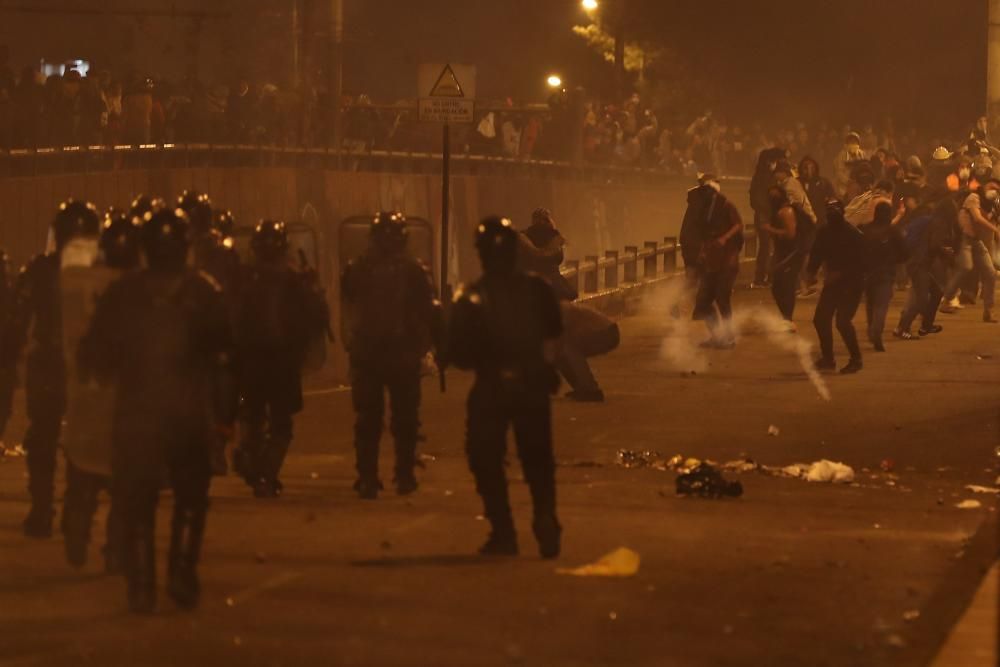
x: 390, y: 320
x: 818, y: 188
x: 275, y: 313
x: 885, y: 249
x: 711, y: 240
x: 762, y: 180
x: 925, y: 292
x: 505, y: 327
x: 162, y: 338
x: 839, y: 249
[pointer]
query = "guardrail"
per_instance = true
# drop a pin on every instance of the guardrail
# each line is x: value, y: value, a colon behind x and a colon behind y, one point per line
x: 86, y: 159
x: 620, y: 270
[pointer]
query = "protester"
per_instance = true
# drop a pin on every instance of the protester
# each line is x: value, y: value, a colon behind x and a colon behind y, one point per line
x: 884, y: 250
x: 839, y: 251
x: 787, y: 261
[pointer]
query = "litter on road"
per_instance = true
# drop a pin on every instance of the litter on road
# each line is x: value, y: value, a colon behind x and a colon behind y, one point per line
x: 969, y: 505
x: 622, y: 562
x: 773, y: 430
x: 830, y: 471
x: 975, y: 488
x: 707, y: 482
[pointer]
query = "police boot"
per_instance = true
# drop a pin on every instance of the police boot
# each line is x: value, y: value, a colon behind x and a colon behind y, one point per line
x: 502, y: 540
x: 368, y: 487
x: 140, y: 568
x: 547, y: 532
x: 405, y: 478
x: 76, y: 534
x: 185, y: 545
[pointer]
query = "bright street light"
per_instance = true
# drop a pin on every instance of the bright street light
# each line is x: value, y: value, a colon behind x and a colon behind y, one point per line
x: 554, y: 81
x: 589, y: 5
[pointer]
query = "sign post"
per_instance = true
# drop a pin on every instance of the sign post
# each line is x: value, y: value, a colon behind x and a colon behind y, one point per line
x: 447, y: 95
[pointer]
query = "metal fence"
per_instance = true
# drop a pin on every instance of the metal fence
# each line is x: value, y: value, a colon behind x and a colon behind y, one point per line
x: 635, y: 266
x: 87, y: 159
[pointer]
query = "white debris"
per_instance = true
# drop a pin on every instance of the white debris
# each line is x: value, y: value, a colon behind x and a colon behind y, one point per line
x: 969, y: 505
x: 830, y: 471
x: 773, y: 430
x: 975, y: 488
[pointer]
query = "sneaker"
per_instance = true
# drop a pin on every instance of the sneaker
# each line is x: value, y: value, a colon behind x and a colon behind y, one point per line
x: 903, y: 335
x: 589, y: 396
x: 547, y: 531
x: 823, y: 364
x: 853, y: 366
x: 807, y: 292
x: 988, y: 317
x: 935, y: 329
x: 367, y: 488
x: 499, y: 545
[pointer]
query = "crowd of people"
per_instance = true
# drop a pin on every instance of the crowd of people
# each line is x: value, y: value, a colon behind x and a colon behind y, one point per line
x: 105, y: 108
x: 925, y: 224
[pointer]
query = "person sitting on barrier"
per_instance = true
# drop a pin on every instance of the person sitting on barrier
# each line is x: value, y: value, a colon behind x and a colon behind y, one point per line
x: 712, y: 237
x: 540, y: 251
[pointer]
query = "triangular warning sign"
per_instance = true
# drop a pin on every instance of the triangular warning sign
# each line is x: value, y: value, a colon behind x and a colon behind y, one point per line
x: 447, y: 85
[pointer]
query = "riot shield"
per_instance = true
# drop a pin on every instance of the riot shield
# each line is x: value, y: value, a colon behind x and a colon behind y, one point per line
x: 355, y: 231
x: 86, y: 435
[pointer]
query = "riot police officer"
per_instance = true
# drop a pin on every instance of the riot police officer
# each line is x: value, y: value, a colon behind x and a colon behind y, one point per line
x: 275, y: 314
x: 390, y: 320
x: 36, y: 308
x: 505, y: 327
x: 161, y: 336
x: 86, y: 443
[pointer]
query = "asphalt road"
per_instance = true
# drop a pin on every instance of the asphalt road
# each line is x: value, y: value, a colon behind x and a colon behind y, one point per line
x: 792, y: 573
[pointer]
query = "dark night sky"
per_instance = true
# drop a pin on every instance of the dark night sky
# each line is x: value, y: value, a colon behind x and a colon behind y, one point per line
x: 921, y: 60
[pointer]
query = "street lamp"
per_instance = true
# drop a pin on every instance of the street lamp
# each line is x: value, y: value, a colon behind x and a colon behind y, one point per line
x: 554, y: 80
x: 589, y: 5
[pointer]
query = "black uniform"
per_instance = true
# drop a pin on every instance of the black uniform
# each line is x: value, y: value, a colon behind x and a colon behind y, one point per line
x: 163, y: 338
x: 274, y: 317
x: 500, y: 327
x: 36, y: 308
x: 390, y: 320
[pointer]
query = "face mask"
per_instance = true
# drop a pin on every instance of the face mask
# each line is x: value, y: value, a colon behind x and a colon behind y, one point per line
x: 964, y: 174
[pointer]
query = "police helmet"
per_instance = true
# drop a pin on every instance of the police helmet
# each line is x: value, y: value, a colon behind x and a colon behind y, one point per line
x: 388, y: 231
x: 198, y: 207
x: 75, y: 218
x: 270, y: 240
x: 120, y: 240
x: 165, y: 239
x: 223, y: 221
x: 144, y: 204
x: 496, y: 241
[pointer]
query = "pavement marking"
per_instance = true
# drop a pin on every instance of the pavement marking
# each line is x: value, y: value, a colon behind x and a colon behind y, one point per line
x: 324, y: 392
x: 254, y: 591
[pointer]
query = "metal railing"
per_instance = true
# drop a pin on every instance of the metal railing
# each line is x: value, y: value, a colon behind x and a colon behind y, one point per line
x: 635, y: 266
x: 88, y: 159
